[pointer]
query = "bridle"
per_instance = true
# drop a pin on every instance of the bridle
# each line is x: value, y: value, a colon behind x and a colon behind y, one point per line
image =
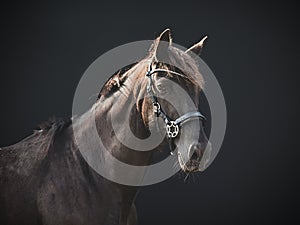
x: 172, y: 126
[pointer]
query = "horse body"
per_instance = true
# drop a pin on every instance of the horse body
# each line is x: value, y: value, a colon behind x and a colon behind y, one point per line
x: 46, y: 180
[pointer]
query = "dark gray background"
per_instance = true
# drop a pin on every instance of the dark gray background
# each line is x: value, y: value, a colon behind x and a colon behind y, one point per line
x: 253, y: 50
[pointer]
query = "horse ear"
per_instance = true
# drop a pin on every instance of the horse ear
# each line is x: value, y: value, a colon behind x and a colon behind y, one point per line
x: 161, y: 43
x: 197, y: 48
x: 165, y: 36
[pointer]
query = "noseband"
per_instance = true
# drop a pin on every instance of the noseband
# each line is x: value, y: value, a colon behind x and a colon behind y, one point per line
x: 172, y: 126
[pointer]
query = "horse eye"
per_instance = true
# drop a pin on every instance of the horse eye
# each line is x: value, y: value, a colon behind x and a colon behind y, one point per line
x: 162, y: 89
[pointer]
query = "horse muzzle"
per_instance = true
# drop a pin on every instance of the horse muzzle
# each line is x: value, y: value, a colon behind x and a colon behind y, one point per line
x: 198, y: 158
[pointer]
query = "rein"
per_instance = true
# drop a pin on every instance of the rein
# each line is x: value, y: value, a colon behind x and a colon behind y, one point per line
x: 172, y: 126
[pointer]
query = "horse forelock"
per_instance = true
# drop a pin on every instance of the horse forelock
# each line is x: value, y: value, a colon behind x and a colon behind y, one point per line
x: 186, y: 64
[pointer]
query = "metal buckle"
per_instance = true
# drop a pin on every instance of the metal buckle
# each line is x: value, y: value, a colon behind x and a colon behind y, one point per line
x: 172, y: 129
x: 156, y: 108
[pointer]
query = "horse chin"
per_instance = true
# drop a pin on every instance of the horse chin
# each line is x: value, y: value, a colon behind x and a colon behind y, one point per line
x: 190, y: 166
x: 196, y: 165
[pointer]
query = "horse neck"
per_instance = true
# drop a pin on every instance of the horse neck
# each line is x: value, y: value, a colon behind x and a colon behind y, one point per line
x: 118, y: 116
x: 121, y: 108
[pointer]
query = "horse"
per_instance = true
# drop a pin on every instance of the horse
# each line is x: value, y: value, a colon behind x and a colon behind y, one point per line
x: 44, y: 179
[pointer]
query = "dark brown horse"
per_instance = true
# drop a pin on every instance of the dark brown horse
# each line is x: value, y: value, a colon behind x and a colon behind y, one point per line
x: 44, y: 179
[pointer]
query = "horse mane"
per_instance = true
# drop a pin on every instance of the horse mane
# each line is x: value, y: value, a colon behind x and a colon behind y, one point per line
x: 54, y: 123
x: 115, y: 81
x: 50, y: 129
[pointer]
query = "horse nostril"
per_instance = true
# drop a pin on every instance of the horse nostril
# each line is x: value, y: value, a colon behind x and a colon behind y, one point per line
x: 194, y: 156
x: 196, y: 151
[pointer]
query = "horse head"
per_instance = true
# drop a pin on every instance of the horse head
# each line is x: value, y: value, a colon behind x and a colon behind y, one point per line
x: 172, y: 84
